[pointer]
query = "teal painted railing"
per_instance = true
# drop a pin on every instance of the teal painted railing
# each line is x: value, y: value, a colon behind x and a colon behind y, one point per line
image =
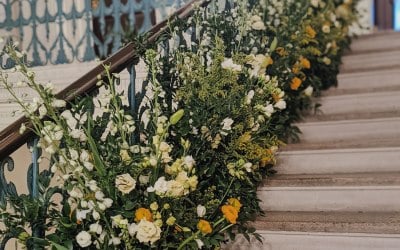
x: 59, y: 32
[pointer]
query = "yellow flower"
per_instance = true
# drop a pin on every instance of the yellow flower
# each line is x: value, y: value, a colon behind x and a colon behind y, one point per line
x: 230, y: 213
x: 305, y: 63
x: 310, y: 31
x: 281, y: 51
x: 235, y: 203
x: 296, y: 69
x: 143, y: 213
x: 295, y: 84
x: 125, y: 156
x: 204, y: 226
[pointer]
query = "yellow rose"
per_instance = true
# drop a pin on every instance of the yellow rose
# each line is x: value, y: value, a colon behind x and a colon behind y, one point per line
x: 305, y: 63
x: 204, y: 226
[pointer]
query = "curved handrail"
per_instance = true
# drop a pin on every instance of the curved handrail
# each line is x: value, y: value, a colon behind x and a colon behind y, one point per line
x: 11, y: 139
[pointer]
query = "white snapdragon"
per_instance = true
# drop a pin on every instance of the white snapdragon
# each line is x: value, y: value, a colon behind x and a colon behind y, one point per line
x: 249, y: 97
x: 226, y: 125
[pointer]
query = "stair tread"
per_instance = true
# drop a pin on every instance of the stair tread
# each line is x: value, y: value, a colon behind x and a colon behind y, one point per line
x: 344, y: 222
x: 323, y: 180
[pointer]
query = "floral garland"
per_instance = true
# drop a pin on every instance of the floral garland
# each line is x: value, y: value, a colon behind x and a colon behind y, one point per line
x: 181, y: 172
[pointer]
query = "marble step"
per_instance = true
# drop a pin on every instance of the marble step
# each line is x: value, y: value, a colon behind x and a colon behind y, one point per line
x: 358, y: 106
x: 339, y: 161
x: 360, y: 133
x: 376, y: 42
x: 324, y: 230
x: 367, y: 82
x: 371, y: 61
x: 366, y: 192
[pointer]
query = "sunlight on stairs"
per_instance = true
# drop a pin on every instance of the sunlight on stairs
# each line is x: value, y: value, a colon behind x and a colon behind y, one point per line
x: 339, y: 187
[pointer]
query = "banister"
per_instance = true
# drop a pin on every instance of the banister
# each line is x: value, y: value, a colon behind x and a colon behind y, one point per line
x: 11, y: 139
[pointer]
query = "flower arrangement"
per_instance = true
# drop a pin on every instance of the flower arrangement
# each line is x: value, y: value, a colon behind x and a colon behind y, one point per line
x: 181, y: 170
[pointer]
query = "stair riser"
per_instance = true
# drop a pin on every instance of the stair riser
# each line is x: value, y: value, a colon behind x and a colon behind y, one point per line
x: 371, y: 61
x: 369, y: 80
x: 369, y: 198
x: 386, y: 43
x: 360, y: 105
x: 318, y: 241
x: 339, y: 161
x: 349, y: 131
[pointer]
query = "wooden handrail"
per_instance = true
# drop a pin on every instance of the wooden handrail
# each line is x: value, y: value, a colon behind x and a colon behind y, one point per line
x: 11, y: 139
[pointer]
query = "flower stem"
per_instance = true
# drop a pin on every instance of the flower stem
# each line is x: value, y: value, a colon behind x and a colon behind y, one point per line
x: 185, y: 242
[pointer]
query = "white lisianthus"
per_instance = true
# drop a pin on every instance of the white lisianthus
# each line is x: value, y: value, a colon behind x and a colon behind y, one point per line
x: 309, y: 91
x: 201, y: 210
x: 84, y: 239
x: 229, y: 64
x: 148, y: 232
x: 160, y: 187
x: 125, y: 183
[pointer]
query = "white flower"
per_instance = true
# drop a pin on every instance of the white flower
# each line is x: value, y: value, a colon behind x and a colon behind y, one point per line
x: 22, y: 128
x: 201, y: 210
x: 144, y: 179
x: 226, y: 125
x: 84, y: 239
x: 125, y: 183
x: 99, y: 195
x: 108, y: 202
x: 326, y: 28
x: 132, y: 229
x: 96, y: 215
x: 200, y: 243
x: 42, y: 111
x: 76, y: 193
x: 258, y: 25
x: 175, y: 188
x: 229, y: 64
x: 326, y: 60
x: 248, y: 166
x: 116, y: 241
x: 308, y: 91
x: 96, y: 228
x: 148, y: 232
x: 189, y: 162
x: 160, y: 187
x: 81, y: 214
x: 249, y: 97
x: 59, y: 103
x: 281, y: 104
x: 315, y: 3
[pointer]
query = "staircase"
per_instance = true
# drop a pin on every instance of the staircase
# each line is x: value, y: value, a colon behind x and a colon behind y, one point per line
x: 340, y: 187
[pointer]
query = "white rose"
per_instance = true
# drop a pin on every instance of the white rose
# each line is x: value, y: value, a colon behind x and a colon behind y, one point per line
x: 125, y: 183
x: 148, y: 232
x: 201, y: 210
x: 84, y: 239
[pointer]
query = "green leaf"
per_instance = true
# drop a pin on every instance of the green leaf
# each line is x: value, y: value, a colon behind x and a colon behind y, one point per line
x: 274, y: 44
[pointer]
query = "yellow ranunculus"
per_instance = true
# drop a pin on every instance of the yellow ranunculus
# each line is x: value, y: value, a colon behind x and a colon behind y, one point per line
x: 230, y: 213
x: 204, y: 226
x: 143, y: 213
x: 295, y: 84
x: 235, y: 203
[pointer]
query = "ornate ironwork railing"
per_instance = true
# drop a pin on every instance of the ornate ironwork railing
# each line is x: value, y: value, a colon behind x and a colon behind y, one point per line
x: 125, y: 58
x: 57, y: 31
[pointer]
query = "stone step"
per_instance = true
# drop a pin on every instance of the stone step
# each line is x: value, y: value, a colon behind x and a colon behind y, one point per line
x: 367, y: 82
x: 281, y: 240
x: 332, y: 222
x: 362, y: 133
x: 376, y: 43
x: 358, y: 106
x: 336, y: 161
x: 371, y: 61
x: 354, y: 193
